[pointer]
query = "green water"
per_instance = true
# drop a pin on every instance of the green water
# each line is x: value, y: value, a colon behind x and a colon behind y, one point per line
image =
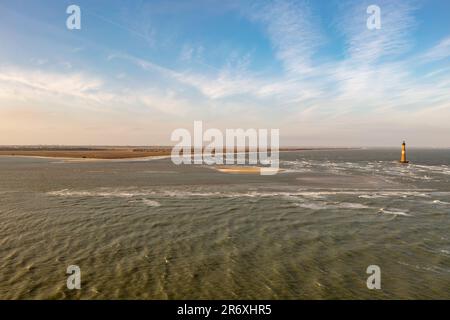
x: 153, y: 230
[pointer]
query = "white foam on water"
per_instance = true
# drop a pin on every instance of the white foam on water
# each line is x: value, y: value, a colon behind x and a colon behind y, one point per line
x: 313, y: 205
x: 151, y: 203
x: 348, y: 205
x: 106, y: 194
x: 397, y: 212
x: 319, y: 205
x: 148, y: 202
x: 384, y: 168
x: 372, y: 196
x: 441, y: 202
x: 129, y: 193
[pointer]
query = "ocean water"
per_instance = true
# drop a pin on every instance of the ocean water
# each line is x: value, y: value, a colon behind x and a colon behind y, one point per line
x: 153, y: 230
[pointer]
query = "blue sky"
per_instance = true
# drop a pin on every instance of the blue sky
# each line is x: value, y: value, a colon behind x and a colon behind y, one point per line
x: 137, y: 70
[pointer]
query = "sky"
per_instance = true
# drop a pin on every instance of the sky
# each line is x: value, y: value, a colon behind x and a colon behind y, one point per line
x: 137, y: 70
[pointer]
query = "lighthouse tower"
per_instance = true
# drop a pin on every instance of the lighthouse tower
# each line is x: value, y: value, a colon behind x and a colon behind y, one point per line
x: 403, y: 157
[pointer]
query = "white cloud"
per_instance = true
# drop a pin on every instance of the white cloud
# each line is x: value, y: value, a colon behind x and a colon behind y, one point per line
x: 293, y: 32
x: 392, y: 40
x: 81, y: 91
x: 191, y: 52
x: 369, y: 90
x: 49, y: 83
x: 186, y: 53
x: 440, y: 51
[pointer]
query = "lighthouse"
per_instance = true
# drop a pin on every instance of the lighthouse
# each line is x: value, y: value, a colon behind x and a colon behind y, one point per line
x: 403, y: 157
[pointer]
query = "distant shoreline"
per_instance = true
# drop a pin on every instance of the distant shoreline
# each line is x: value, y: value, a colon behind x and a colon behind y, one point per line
x: 105, y: 153
x: 95, y: 153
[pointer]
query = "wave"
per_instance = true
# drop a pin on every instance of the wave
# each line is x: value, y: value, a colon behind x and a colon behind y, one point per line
x: 441, y: 202
x: 308, y: 199
x: 129, y: 193
x: 318, y: 205
x: 372, y: 196
x: 147, y: 202
x: 397, y: 212
x: 106, y: 194
x: 151, y: 203
x: 386, y: 168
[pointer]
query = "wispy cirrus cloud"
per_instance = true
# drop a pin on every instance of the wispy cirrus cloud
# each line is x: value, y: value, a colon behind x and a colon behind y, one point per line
x: 311, y: 83
x: 438, y: 52
x: 190, y: 52
x: 83, y: 90
x: 232, y: 79
x: 334, y: 86
x: 368, y: 45
x: 293, y: 31
x: 50, y: 83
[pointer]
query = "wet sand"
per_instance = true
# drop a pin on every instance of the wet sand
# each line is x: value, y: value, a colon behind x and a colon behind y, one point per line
x: 244, y: 169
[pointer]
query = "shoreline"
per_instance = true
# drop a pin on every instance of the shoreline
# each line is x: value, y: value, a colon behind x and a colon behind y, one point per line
x: 87, y: 155
x: 115, y: 154
x: 78, y: 159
